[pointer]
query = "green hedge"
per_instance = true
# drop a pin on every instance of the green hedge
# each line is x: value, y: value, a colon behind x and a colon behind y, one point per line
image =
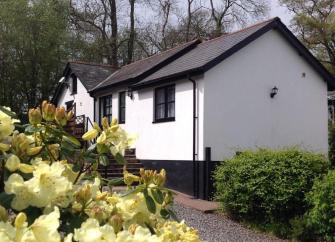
x: 267, y: 187
x: 321, y: 216
x: 331, y: 142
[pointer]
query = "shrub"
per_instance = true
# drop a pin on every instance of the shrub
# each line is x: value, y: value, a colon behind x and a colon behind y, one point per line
x: 43, y: 197
x: 321, y: 216
x: 268, y: 187
x: 331, y: 143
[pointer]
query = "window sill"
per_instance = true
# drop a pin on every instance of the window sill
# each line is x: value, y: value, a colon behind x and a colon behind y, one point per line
x: 163, y: 120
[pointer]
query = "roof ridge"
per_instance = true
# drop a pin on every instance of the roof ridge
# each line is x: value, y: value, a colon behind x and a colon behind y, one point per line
x: 243, y: 29
x: 160, y: 53
x: 93, y: 64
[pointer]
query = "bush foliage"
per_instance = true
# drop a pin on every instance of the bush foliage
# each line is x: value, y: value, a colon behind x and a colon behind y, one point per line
x: 51, y: 190
x: 321, y: 216
x: 268, y: 187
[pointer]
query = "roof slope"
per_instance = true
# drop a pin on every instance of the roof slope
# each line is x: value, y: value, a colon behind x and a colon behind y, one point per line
x: 89, y: 74
x: 140, y: 68
x: 209, y: 53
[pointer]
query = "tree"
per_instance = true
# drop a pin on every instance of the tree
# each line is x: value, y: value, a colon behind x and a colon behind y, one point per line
x: 131, y: 40
x: 229, y: 12
x: 314, y: 21
x: 33, y: 44
x: 99, y: 19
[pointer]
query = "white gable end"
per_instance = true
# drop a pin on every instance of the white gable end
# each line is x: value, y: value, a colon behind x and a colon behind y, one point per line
x: 239, y: 113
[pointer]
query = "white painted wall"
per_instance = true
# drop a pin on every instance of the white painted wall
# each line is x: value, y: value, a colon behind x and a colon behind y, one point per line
x: 83, y: 101
x: 168, y: 140
x: 239, y: 113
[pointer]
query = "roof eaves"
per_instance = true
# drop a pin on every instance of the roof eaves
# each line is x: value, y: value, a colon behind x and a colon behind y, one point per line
x: 169, y: 78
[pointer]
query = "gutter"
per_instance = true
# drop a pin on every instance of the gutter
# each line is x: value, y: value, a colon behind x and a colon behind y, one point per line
x: 194, y: 122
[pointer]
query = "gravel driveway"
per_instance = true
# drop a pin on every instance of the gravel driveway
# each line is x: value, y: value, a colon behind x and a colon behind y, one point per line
x: 218, y: 228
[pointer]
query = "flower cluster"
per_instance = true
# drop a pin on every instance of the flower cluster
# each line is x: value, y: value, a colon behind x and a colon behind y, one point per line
x: 47, y: 195
x: 111, y: 137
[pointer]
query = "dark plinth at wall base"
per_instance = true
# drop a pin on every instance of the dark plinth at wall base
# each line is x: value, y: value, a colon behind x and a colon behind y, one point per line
x: 180, y: 175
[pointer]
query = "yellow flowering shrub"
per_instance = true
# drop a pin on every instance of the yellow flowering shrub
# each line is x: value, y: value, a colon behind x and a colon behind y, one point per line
x: 50, y: 189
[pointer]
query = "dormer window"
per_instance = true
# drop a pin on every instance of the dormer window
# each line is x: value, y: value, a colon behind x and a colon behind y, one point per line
x: 73, y: 84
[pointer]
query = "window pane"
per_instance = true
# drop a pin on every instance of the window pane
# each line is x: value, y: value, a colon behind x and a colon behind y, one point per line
x: 160, y: 112
x: 160, y: 96
x: 170, y: 110
x: 170, y: 94
x: 122, y: 99
x: 122, y: 115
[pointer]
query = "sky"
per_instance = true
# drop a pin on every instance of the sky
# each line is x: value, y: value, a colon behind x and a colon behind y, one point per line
x: 279, y: 11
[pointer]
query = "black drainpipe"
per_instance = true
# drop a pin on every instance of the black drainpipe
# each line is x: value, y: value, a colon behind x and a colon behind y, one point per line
x: 195, y: 163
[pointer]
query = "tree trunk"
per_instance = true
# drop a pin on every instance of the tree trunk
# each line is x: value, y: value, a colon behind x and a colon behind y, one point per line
x: 114, y: 45
x: 131, y: 32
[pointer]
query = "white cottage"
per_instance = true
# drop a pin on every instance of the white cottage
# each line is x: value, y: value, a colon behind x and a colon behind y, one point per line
x: 257, y: 87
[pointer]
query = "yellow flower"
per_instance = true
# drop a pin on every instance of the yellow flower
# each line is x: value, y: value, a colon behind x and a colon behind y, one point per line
x: 15, y: 185
x: 44, y: 228
x: 34, y: 151
x: 3, y: 214
x: 91, y: 231
x: 6, y: 125
x: 129, y: 178
x: 102, y: 138
x: 25, y: 168
x: 92, y: 134
x: 4, y: 147
x: 35, y: 116
x: 13, y: 163
x: 20, y: 220
x: 48, y: 110
x: 48, y: 178
x: 60, y: 116
x: 7, y: 232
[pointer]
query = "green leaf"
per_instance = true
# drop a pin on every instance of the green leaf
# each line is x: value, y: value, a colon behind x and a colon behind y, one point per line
x: 92, y: 148
x: 103, y: 160
x: 115, y: 182
x: 137, y: 189
x: 73, y: 140
x: 165, y: 213
x: 6, y: 199
x: 158, y: 195
x: 120, y: 159
x: 102, y: 149
x: 32, y: 129
x: 151, y: 205
x: 6, y: 111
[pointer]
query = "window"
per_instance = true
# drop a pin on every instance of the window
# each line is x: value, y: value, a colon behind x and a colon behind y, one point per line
x: 122, y: 107
x: 73, y: 84
x: 70, y: 106
x: 106, y: 108
x: 165, y: 103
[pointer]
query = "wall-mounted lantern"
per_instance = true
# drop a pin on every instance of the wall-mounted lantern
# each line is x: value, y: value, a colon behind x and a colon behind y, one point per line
x: 130, y: 94
x: 274, y: 92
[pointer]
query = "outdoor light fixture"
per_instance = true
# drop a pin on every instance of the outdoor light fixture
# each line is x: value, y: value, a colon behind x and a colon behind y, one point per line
x: 130, y: 94
x: 274, y: 92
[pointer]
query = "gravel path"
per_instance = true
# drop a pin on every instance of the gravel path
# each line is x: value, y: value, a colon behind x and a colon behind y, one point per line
x: 218, y: 228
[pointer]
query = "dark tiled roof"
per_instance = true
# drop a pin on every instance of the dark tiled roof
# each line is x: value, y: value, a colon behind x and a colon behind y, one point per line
x: 90, y: 74
x: 141, y: 67
x: 204, y: 53
x: 209, y: 53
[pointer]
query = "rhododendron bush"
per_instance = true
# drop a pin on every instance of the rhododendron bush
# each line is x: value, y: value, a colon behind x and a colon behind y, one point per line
x: 50, y: 189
